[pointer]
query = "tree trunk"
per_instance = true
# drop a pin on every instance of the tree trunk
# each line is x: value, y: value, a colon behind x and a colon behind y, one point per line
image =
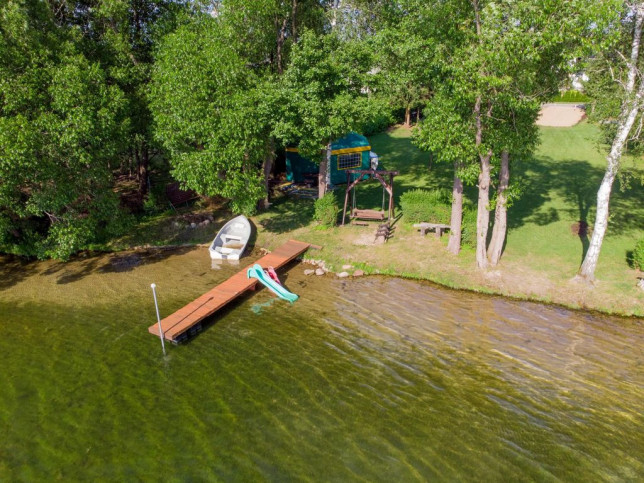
x: 500, y: 214
x: 143, y: 162
x: 630, y: 110
x: 483, y: 214
x: 334, y: 14
x: 281, y: 37
x: 407, y: 116
x: 454, y: 244
x: 267, y: 167
x: 293, y: 20
x: 587, y: 269
x: 324, y: 172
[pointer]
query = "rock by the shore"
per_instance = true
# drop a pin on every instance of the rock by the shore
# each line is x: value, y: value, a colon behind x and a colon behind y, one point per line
x: 347, y: 267
x: 358, y: 273
x: 193, y: 225
x: 343, y: 274
x: 309, y: 271
x: 640, y: 284
x: 319, y: 271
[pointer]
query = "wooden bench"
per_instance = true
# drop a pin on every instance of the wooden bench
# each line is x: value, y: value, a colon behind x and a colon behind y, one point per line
x: 438, y: 228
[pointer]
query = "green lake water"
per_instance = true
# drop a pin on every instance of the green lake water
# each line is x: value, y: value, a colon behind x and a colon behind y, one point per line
x: 371, y: 379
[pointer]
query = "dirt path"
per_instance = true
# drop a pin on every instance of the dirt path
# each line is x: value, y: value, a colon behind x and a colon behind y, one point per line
x: 561, y: 115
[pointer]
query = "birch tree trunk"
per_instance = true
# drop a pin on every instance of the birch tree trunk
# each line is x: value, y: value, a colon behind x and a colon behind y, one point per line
x: 630, y: 109
x: 454, y: 244
x: 500, y: 213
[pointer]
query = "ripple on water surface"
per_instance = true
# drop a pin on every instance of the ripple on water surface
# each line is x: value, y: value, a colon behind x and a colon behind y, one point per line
x: 370, y: 379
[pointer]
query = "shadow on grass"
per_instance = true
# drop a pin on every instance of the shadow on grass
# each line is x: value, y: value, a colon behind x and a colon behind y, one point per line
x: 288, y: 214
x: 572, y: 187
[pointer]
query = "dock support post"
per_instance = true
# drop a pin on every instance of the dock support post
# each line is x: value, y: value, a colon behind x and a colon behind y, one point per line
x: 156, y: 306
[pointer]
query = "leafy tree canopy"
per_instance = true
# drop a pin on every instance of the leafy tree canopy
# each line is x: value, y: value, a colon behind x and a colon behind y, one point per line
x: 60, y: 124
x: 206, y: 104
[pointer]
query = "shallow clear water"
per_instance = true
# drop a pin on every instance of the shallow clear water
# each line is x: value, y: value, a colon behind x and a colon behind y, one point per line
x: 371, y: 379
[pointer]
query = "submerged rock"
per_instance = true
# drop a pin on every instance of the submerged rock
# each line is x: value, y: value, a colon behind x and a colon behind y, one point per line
x: 309, y: 271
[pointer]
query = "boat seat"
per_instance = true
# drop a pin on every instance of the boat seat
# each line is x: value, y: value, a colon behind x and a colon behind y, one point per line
x: 227, y: 238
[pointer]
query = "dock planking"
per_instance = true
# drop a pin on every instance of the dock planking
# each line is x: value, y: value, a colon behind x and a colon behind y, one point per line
x: 186, y: 320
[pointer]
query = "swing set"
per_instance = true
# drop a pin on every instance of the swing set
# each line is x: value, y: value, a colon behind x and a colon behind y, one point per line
x: 364, y: 175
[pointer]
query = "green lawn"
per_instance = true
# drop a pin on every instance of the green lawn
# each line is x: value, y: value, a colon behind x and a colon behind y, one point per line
x: 543, y: 251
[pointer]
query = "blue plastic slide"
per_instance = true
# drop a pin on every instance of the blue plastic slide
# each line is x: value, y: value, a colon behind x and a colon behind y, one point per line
x: 256, y: 271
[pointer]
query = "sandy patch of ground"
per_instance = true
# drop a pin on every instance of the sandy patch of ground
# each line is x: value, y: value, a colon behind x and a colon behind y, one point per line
x: 561, y: 115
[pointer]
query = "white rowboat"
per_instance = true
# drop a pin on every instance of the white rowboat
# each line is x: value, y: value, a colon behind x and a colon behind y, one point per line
x: 231, y: 241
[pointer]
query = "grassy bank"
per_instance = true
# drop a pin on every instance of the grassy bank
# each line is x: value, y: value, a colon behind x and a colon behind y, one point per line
x: 544, y: 248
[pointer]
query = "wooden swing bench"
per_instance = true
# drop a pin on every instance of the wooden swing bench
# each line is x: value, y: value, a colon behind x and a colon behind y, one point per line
x: 368, y: 215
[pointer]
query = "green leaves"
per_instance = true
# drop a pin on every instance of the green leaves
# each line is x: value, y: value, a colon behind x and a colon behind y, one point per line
x: 321, y: 96
x: 60, y: 125
x: 207, y: 111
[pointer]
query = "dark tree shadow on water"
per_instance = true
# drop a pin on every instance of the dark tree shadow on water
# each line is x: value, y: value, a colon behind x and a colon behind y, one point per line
x: 14, y: 270
x: 84, y: 265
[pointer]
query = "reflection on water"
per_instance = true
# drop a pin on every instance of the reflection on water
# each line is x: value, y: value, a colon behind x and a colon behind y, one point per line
x: 370, y: 379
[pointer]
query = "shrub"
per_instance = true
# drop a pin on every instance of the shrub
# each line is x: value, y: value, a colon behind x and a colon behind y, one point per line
x: 638, y: 254
x: 571, y: 96
x: 426, y: 206
x: 326, y: 210
x: 468, y: 227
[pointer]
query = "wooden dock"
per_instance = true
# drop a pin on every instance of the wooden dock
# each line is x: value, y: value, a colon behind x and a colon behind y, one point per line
x: 187, y: 320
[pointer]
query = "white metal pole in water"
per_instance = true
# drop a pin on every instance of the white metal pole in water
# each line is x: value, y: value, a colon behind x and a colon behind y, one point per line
x: 156, y: 306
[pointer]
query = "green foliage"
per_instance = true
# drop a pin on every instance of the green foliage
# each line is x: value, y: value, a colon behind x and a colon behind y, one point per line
x: 379, y: 119
x: 638, y: 254
x: 430, y: 206
x: 209, y: 114
x: 468, y: 227
x: 321, y: 95
x: 571, y: 95
x: 61, y: 123
x: 326, y: 210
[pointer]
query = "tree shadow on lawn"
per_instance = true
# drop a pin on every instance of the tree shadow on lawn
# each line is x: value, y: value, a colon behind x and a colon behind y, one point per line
x: 572, y: 187
x: 287, y: 214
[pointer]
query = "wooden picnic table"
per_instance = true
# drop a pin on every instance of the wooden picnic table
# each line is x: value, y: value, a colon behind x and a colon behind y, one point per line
x: 437, y: 228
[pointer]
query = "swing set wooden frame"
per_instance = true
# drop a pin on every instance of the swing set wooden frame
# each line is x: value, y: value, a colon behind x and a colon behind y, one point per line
x: 373, y: 215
